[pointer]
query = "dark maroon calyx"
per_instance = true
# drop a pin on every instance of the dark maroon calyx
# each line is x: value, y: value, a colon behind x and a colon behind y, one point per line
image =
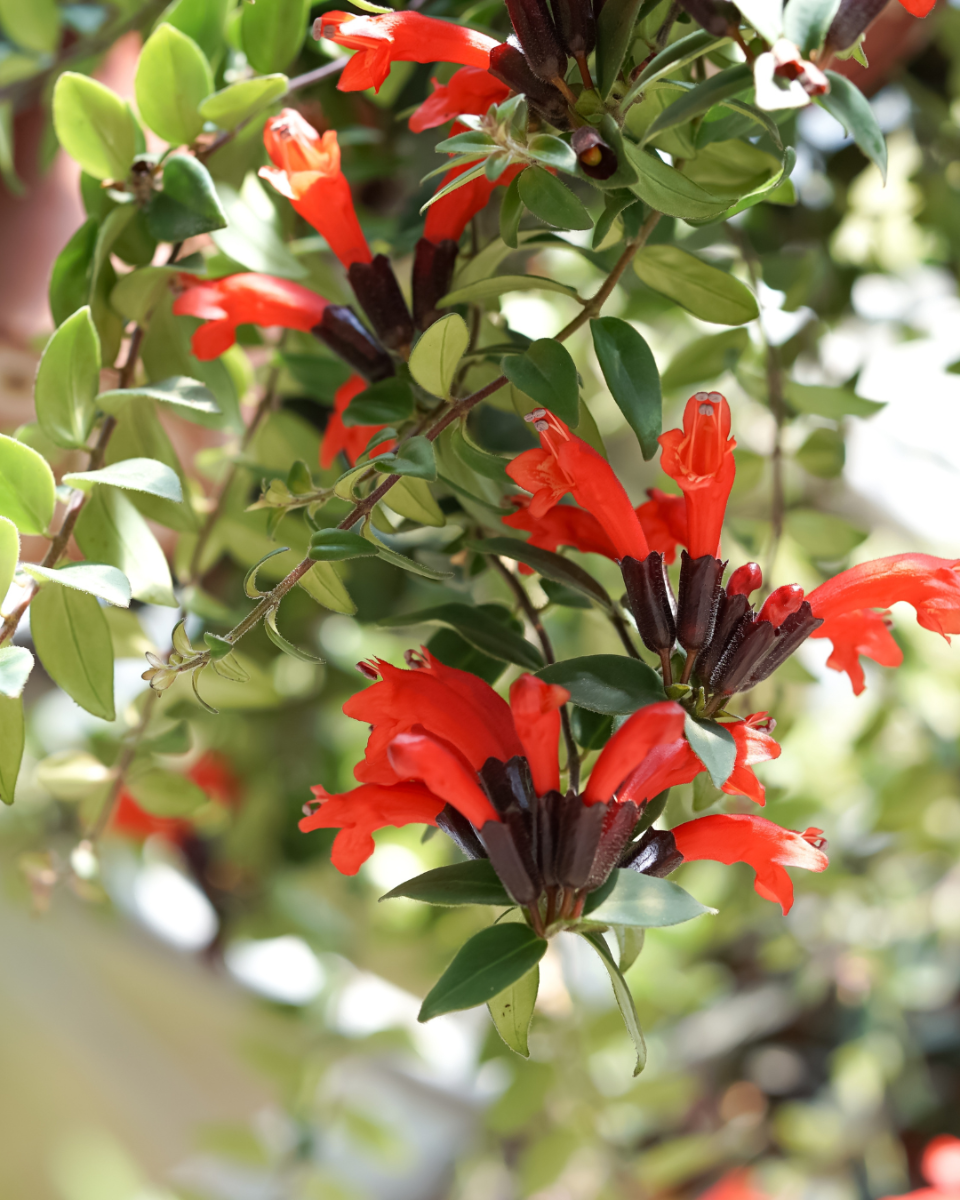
x: 510, y: 65
x: 433, y: 264
x: 596, y: 158
x: 456, y: 826
x: 700, y: 591
x: 651, y: 600
x: 538, y: 36
x: 731, y: 611
x: 655, y: 853
x: 342, y: 330
x: 375, y: 286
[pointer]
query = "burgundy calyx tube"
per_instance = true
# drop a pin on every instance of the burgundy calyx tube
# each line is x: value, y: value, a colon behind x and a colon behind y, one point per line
x: 753, y: 642
x: 596, y: 158
x: 853, y: 17
x: 509, y: 64
x: 538, y: 37
x: 433, y: 264
x: 651, y: 600
x: 700, y: 592
x: 655, y: 853
x: 618, y: 824
x: 731, y: 611
x: 375, y: 286
x: 456, y: 826
x: 342, y: 330
x: 715, y: 17
x: 791, y: 634
x: 577, y: 27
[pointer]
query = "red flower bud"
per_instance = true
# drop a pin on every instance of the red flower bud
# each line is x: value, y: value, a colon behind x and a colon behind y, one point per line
x: 745, y: 580
x: 781, y: 603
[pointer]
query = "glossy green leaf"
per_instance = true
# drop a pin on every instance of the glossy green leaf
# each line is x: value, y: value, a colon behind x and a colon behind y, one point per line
x: 669, y: 191
x: 9, y: 554
x: 414, y: 457
x: 173, y: 78
x: 272, y: 31
x: 324, y: 585
x: 630, y: 371
x: 275, y: 636
x: 551, y: 201
x: 476, y: 626
x: 824, y: 536
x: 335, y: 545
x: 179, y: 391
x: 70, y: 278
x: 396, y: 559
x: 512, y: 1011
x: 630, y: 940
x: 111, y: 530
x: 700, y: 97
x: 706, y: 359
x: 31, y: 24
x: 11, y: 745
x: 176, y: 739
x: 139, y: 434
x: 511, y: 210
x: 166, y: 793
x: 16, y: 663
x: 706, y: 291
x: 436, y: 356
x: 490, y: 466
x: 488, y: 289
x: 251, y: 237
x: 713, y: 744
x: 647, y: 902
x: 386, y: 402
x: 94, y: 126
x: 851, y: 108
x: 318, y: 375
x: 72, y: 640
x: 823, y: 454
x: 805, y: 22
x: 188, y: 205
x: 606, y: 683
x: 27, y: 487
x: 615, y: 31
x: 132, y: 474
x: 68, y: 379
x: 238, y: 101
x: 548, y: 375
x: 472, y: 882
x: 549, y: 565
x: 97, y: 579
x: 412, y: 498
x: 552, y: 151
x: 671, y: 59
x: 831, y: 402
x: 624, y: 997
x: 489, y: 962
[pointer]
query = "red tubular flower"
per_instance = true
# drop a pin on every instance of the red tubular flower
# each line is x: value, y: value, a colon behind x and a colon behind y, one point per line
x: 247, y: 299
x: 535, y: 707
x: 626, y: 751
x: 754, y: 745
x: 306, y: 169
x: 768, y: 848
x: 737, y: 1185
x: 470, y: 90
x: 664, y: 521
x: 563, y: 525
x: 940, y: 1166
x: 399, y: 37
x: 351, y: 439
x: 700, y: 458
x: 566, y: 463
x: 415, y: 756
x: 449, y: 216
x: 864, y: 632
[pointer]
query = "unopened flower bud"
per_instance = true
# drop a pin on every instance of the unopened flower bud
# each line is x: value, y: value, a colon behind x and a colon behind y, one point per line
x: 651, y: 601
x: 538, y: 37
x: 714, y: 15
x: 852, y: 19
x: 433, y: 264
x: 375, y: 286
x: 510, y: 66
x: 597, y: 159
x: 745, y: 580
x: 781, y: 603
x: 700, y: 592
x: 343, y: 331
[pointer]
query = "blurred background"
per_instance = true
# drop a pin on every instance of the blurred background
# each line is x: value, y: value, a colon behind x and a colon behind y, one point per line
x: 211, y: 1012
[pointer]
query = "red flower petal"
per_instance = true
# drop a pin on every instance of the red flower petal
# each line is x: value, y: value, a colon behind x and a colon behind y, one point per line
x: 562, y: 525
x: 737, y: 1185
x: 470, y: 90
x: 351, y: 439
x: 417, y: 756
x: 768, y: 848
x: 863, y: 632
x: 931, y: 585
x: 918, y: 8
x: 700, y: 458
x: 664, y: 521
x: 536, y: 714
x: 629, y: 746
x: 754, y: 745
x: 449, y: 216
x: 666, y: 766
x: 941, y: 1163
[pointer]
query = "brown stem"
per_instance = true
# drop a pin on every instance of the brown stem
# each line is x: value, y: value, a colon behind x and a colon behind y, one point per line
x: 664, y: 31
x: 78, y: 498
x: 564, y: 88
x: 124, y: 762
x: 667, y: 667
x: 584, y: 72
x: 688, y: 666
x: 621, y: 627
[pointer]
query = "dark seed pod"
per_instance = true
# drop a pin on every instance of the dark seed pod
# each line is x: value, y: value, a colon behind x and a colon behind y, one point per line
x: 853, y: 17
x: 700, y: 591
x: 375, y: 286
x: 343, y: 331
x: 538, y: 37
x: 510, y: 66
x: 433, y: 264
x: 655, y: 853
x: 576, y: 25
x: 650, y: 600
x: 597, y: 159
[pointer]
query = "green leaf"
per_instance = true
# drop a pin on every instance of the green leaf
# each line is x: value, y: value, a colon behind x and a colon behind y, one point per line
x: 511, y: 210
x: 219, y: 647
x: 805, y: 22
x: 548, y: 375
x: 188, y: 205
x: 476, y: 626
x: 554, y: 151
x: 27, y: 487
x: 473, y: 882
x: 34, y: 25
x: 250, y: 238
x: 11, y: 746
x: 489, y: 962
x: 630, y: 371
x: 713, y: 744
x: 624, y: 997
x: 166, y: 793
x: 317, y: 375
x: 238, y: 101
x: 823, y: 454
x: 70, y: 278
x: 178, y: 391
x: 94, y: 126
x: 705, y: 291
x: 386, y: 402
x: 436, y: 356
x: 139, y: 434
x: 16, y: 663
x: 111, y: 530
x: 615, y: 31
x: 324, y: 585
x: 546, y: 563
x: 606, y: 683
x: 705, y: 359
x: 664, y: 188
x: 851, y: 108
x: 488, y: 289
x: 415, y: 457
x: 825, y: 537
x: 681, y: 52
x: 174, y: 740
x: 512, y: 1011
x: 490, y: 466
x: 647, y: 902
x: 97, y: 579
x: 409, y: 564
x: 272, y: 31
x: 173, y: 77
x: 630, y: 942
x: 832, y: 402
x: 700, y: 97
x: 548, y: 199
x: 411, y: 498
x: 335, y: 545
x: 134, y: 474
x: 9, y: 554
x: 72, y: 640
x: 275, y: 636
x: 68, y: 379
